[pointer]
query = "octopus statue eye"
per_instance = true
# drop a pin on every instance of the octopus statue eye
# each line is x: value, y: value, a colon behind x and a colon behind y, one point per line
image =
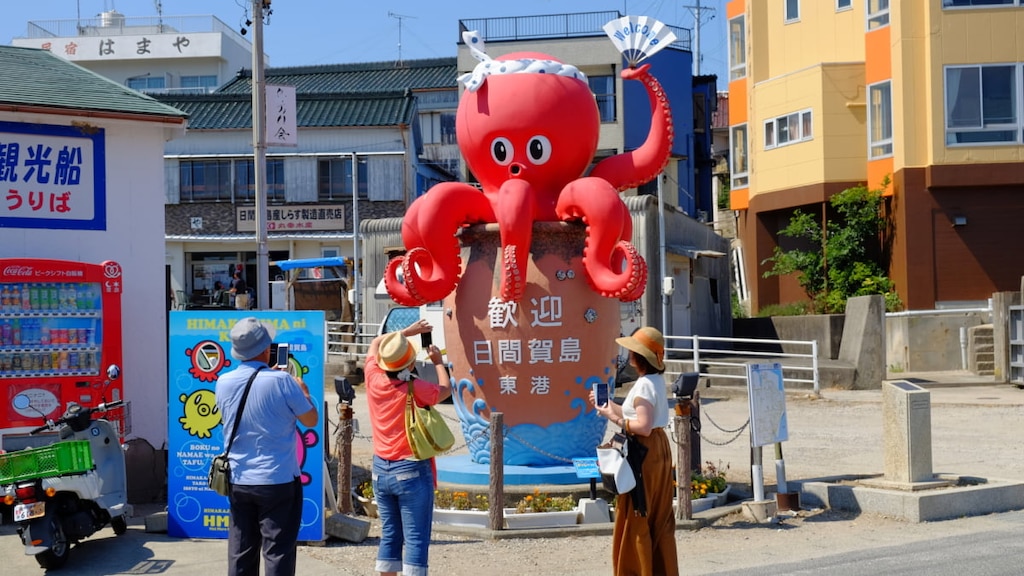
x: 502, y: 151
x: 539, y: 148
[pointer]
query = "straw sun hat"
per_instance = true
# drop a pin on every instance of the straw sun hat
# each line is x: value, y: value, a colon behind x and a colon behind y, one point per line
x: 647, y: 342
x: 395, y: 352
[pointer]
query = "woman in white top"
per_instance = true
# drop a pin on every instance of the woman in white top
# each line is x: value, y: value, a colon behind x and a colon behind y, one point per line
x: 644, y: 543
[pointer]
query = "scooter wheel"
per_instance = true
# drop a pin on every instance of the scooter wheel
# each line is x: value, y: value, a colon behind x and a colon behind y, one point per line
x: 119, y: 524
x: 59, y: 550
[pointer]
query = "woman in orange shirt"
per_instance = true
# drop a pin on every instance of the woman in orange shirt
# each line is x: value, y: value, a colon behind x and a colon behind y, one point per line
x: 403, y: 486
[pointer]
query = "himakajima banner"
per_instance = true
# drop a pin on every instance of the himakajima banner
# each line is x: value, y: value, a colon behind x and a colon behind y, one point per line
x: 200, y: 351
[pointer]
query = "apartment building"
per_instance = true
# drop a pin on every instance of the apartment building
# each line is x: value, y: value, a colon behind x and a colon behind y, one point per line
x: 924, y: 95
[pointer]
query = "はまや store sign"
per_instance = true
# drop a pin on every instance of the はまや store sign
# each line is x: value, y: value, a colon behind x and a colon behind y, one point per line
x: 52, y: 177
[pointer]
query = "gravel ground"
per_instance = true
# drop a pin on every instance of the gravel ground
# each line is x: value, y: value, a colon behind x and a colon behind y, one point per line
x: 836, y: 433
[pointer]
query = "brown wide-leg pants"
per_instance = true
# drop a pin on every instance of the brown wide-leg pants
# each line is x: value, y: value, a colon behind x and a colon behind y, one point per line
x: 646, y: 545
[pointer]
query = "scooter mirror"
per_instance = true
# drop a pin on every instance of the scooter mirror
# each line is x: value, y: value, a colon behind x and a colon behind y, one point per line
x: 113, y: 372
x: 21, y: 402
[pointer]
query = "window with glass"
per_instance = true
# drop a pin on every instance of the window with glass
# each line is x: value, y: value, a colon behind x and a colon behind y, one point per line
x: 981, y: 104
x: 437, y: 127
x: 147, y: 83
x: 737, y: 48
x: 973, y: 3
x: 877, y: 13
x: 788, y: 129
x: 207, y: 83
x: 843, y: 5
x: 738, y: 157
x: 880, y: 120
x: 245, y: 180
x: 792, y: 10
x: 603, y: 88
x: 205, y: 180
x: 334, y: 179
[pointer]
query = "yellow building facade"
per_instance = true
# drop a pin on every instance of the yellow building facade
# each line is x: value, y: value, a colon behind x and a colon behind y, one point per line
x: 923, y: 94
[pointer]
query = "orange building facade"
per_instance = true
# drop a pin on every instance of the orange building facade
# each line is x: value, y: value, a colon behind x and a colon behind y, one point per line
x: 924, y: 95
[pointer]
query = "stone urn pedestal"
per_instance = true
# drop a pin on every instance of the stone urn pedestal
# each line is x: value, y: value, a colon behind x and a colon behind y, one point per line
x: 534, y: 360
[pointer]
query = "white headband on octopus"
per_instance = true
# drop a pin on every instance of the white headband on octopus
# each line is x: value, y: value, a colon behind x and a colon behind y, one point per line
x: 473, y: 81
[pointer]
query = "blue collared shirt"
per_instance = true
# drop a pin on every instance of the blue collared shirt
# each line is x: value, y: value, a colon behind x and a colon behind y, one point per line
x: 265, y: 450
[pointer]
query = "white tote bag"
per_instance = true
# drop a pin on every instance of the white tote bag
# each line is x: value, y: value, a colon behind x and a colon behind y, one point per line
x: 616, y: 474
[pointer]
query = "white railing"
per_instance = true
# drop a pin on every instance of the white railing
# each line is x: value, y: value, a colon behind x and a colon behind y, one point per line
x: 702, y: 352
x: 345, y: 343
x: 707, y: 352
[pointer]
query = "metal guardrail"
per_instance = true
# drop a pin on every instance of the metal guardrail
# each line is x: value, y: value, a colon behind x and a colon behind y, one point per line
x: 724, y: 352
x: 576, y: 25
x: 703, y: 352
x: 346, y: 343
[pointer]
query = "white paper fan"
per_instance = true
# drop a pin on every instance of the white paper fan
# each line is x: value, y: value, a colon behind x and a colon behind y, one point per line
x: 638, y: 37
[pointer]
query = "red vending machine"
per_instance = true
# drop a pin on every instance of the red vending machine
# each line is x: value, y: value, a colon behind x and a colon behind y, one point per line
x: 60, y: 340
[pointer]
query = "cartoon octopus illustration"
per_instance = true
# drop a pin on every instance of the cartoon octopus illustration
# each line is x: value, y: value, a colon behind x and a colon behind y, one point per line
x: 528, y: 127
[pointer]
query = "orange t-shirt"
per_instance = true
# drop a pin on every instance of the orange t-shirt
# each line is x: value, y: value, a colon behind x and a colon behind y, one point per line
x: 386, y: 400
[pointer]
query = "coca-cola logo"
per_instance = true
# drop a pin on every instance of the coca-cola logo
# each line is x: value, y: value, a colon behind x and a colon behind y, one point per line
x: 16, y: 270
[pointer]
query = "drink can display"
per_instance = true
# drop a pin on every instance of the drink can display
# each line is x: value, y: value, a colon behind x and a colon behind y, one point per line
x: 54, y: 298
x: 72, y: 335
x: 33, y: 296
x: 90, y: 337
x: 54, y: 360
x: 73, y: 360
x: 63, y: 360
x: 46, y: 363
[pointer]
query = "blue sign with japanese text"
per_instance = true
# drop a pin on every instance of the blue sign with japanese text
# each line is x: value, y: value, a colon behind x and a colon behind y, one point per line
x: 52, y: 177
x: 200, y: 351
x: 586, y: 467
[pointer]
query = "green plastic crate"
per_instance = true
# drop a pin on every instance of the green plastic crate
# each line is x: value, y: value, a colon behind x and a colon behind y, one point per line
x: 71, y: 457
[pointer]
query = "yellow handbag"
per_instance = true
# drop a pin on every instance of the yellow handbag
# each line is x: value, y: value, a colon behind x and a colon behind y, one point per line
x: 426, y: 429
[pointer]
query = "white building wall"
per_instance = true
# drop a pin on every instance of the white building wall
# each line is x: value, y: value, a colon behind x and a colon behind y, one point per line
x: 135, y: 239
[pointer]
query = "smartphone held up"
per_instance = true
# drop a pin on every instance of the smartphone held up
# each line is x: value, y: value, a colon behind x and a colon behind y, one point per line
x: 601, y: 393
x: 279, y: 355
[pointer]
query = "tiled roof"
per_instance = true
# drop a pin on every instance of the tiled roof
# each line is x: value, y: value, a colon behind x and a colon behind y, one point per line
x: 425, y: 74
x: 234, y: 111
x: 720, y: 118
x: 34, y: 77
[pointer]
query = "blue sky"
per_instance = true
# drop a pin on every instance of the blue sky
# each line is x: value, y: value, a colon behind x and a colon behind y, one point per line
x: 305, y: 32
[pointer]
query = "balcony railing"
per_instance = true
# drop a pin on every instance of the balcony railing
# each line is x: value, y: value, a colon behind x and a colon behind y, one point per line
x: 578, y: 25
x: 118, y: 25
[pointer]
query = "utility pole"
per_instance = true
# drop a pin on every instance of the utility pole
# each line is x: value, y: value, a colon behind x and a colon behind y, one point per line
x: 698, y: 19
x: 399, y: 17
x: 259, y: 144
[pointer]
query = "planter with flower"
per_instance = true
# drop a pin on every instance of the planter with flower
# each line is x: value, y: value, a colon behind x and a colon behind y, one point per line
x: 458, y: 508
x: 364, y: 495
x: 539, y: 510
x: 536, y: 510
x: 708, y: 487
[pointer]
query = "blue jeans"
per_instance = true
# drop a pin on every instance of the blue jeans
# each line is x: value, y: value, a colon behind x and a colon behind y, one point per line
x: 404, y: 490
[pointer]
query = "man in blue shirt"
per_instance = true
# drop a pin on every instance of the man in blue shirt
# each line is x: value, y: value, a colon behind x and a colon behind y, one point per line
x: 266, y: 493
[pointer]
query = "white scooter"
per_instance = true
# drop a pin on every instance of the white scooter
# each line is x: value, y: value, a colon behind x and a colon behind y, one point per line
x: 66, y: 491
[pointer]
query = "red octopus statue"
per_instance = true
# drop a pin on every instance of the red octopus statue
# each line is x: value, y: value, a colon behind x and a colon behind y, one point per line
x: 528, y: 128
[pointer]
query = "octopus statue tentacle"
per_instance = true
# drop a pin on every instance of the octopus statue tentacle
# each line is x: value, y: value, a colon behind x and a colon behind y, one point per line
x: 516, y: 209
x: 611, y: 264
x: 631, y: 169
x: 431, y: 268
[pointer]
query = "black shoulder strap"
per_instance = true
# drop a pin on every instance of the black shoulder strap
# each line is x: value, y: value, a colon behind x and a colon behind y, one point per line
x: 241, y: 406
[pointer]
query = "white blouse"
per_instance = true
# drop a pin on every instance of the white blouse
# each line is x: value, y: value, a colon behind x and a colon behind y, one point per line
x: 651, y: 388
